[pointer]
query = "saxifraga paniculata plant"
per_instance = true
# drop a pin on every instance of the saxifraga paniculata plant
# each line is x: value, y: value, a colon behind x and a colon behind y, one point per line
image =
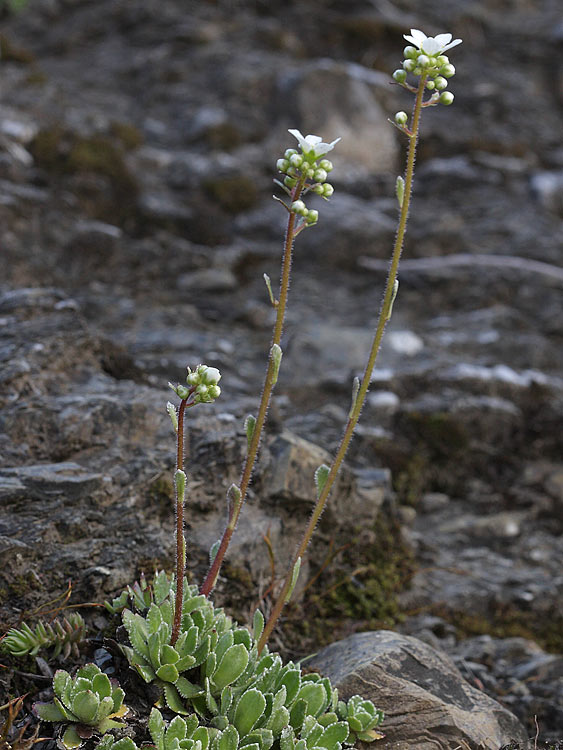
x: 226, y: 689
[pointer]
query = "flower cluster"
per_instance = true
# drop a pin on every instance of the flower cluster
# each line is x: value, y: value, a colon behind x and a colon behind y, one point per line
x: 426, y: 58
x: 305, y: 173
x: 202, y: 385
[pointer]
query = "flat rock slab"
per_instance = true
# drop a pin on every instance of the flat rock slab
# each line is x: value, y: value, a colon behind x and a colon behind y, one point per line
x: 427, y: 703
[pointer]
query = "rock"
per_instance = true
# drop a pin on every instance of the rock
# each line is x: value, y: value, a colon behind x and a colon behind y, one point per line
x: 338, y: 100
x: 548, y: 189
x: 426, y: 701
x: 208, y: 280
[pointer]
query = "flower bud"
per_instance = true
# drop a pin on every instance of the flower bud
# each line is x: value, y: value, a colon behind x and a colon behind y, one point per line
x: 440, y: 83
x: 290, y: 182
x: 328, y: 190
x: 282, y: 165
x: 310, y: 172
x: 210, y: 376
x: 400, y: 76
x: 326, y: 164
x: 320, y: 175
x: 291, y: 171
x: 318, y: 189
x: 417, y: 71
x: 430, y: 85
x: 298, y: 207
x: 410, y: 51
x: 423, y: 61
x: 409, y: 65
x: 446, y: 98
x: 214, y: 391
x: 447, y: 71
x: 401, y: 118
x: 442, y: 60
x: 202, y: 390
x: 289, y: 153
x: 193, y: 378
x: 312, y: 216
x: 296, y: 160
x: 182, y: 391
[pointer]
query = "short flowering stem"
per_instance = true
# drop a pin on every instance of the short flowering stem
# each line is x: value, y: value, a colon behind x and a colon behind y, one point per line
x: 180, y: 541
x: 269, y: 383
x: 384, y: 315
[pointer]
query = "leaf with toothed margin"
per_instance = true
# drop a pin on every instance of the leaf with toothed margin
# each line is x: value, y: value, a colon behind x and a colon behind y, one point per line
x: 156, y: 728
x: 161, y: 587
x: 69, y: 715
x: 186, y: 662
x: 187, y: 689
x: 228, y: 739
x: 62, y: 684
x: 167, y: 612
x: 210, y: 701
x: 232, y: 665
x: 137, y: 632
x: 194, y: 603
x: 153, y: 644
x: 257, y: 625
x: 173, y: 700
x: 167, y: 672
x: 48, y: 712
x: 176, y: 730
x: 287, y: 739
x: 224, y: 642
x: 71, y: 739
x: 249, y: 709
x: 153, y: 618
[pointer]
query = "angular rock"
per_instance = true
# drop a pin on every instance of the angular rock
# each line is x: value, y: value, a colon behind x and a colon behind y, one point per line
x: 426, y: 701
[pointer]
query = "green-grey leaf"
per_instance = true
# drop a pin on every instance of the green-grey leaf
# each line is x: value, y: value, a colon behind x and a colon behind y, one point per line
x: 232, y: 666
x: 287, y: 739
x: 294, y: 577
x: 173, y: 700
x: 48, y: 712
x: 400, y: 190
x: 278, y: 720
x: 315, y: 696
x: 187, y: 689
x: 249, y: 709
x: 117, y: 697
x: 85, y: 706
x: 137, y: 631
x: 168, y: 654
x: 161, y: 587
x: 126, y: 743
x: 104, y: 709
x: 156, y: 728
x: 88, y: 671
x: 257, y: 624
x: 292, y: 681
x: 61, y: 682
x: 176, y: 730
x: 249, y: 426
x: 71, y: 739
x: 101, y: 685
x: 228, y: 740
x: 321, y: 475
x: 167, y: 672
x: 297, y: 713
x: 333, y: 735
x: 224, y: 642
x: 201, y: 734
x: 276, y: 358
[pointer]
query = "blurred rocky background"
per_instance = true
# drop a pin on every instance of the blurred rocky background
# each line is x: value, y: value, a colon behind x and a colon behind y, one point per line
x: 137, y: 150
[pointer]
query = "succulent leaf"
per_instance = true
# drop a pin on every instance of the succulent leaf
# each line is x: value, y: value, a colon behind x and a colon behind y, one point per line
x: 167, y: 673
x: 250, y: 708
x: 233, y: 664
x: 48, y: 712
x: 85, y: 705
x: 101, y: 685
x: 70, y: 738
x: 156, y: 728
x: 173, y: 699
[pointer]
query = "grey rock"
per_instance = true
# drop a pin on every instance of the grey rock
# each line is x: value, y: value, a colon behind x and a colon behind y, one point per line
x: 427, y: 703
x: 208, y: 280
x: 46, y: 480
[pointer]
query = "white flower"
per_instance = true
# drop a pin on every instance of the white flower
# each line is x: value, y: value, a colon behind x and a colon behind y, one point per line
x: 313, y: 143
x: 432, y: 45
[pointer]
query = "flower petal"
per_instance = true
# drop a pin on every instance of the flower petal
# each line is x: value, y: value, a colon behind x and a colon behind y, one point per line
x: 443, y: 39
x: 431, y: 46
x: 452, y: 44
x: 297, y: 134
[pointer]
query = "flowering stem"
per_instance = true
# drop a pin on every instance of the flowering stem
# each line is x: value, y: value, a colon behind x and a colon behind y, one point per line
x: 269, y: 382
x: 180, y: 541
x: 354, y: 415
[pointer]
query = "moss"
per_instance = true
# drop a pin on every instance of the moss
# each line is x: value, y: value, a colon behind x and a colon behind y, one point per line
x: 361, y: 594
x: 234, y: 193
x: 507, y: 621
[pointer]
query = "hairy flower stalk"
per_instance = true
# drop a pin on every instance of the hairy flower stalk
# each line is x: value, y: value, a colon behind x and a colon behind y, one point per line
x: 302, y: 174
x: 427, y: 69
x: 269, y: 383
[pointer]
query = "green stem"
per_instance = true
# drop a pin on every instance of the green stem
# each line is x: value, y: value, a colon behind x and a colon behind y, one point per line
x: 269, y: 383
x: 180, y: 543
x: 384, y: 315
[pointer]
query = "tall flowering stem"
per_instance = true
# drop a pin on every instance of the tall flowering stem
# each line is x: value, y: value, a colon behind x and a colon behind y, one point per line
x: 180, y: 539
x: 236, y: 501
x: 384, y: 316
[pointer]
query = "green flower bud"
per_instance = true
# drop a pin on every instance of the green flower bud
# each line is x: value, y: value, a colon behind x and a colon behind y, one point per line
x: 193, y: 378
x: 312, y: 216
x: 440, y: 83
x: 409, y: 65
x: 401, y: 118
x: 328, y: 190
x: 291, y: 171
x: 447, y: 71
x: 210, y: 376
x: 290, y: 182
x: 430, y: 85
x: 289, y: 153
x: 214, y: 391
x: 417, y: 71
x: 282, y: 165
x: 410, y: 51
x: 182, y: 391
x: 296, y: 160
x: 423, y: 61
x: 446, y: 98
x: 318, y: 189
x: 310, y: 172
x: 442, y: 60
x: 400, y: 76
x: 320, y: 175
x: 298, y: 207
x: 326, y: 164
x: 202, y: 390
